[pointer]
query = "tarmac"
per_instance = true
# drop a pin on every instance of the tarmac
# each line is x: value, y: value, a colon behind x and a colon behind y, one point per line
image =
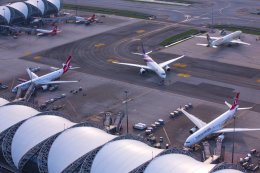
x: 204, y: 82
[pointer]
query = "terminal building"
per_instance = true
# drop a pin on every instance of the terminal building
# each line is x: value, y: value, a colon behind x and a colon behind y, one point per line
x: 22, y: 12
x: 34, y: 141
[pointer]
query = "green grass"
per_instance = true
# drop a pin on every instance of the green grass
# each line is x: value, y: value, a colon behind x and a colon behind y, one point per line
x: 179, y: 37
x: 117, y: 12
x: 180, y: 1
x: 244, y: 29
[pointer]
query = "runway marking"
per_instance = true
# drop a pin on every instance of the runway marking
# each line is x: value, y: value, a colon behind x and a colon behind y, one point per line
x: 12, y: 85
x: 140, y: 31
x: 169, y: 141
x: 112, y: 60
x: 180, y: 65
x: 183, y: 75
x: 258, y: 80
x: 73, y: 108
x: 27, y: 53
x: 99, y: 45
x: 36, y: 58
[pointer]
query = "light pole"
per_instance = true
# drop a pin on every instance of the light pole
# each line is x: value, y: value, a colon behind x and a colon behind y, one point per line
x: 76, y: 7
x: 233, y: 147
x: 126, y: 111
x: 4, y: 13
x: 212, y: 21
x: 38, y: 7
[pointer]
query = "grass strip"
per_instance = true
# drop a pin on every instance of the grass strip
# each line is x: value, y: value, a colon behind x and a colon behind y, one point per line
x: 180, y: 36
x: 117, y: 12
x: 244, y: 29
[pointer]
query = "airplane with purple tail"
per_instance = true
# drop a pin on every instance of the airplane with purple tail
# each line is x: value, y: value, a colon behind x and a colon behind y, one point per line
x: 151, y: 65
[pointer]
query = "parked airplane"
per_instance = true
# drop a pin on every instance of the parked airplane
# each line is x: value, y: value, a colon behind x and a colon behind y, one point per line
x: 52, y: 21
x: 232, y: 38
x: 151, y: 64
x: 46, y: 80
x: 214, y: 127
x: 43, y: 32
x: 15, y: 31
x: 86, y: 21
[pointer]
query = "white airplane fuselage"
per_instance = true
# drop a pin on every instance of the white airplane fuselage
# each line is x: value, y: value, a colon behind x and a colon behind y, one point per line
x: 227, y: 38
x: 210, y: 128
x: 45, y: 78
x: 44, y: 31
x: 155, y: 67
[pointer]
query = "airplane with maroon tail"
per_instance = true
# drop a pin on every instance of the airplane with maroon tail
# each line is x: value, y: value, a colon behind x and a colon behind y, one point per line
x: 47, y: 79
x: 44, y: 32
x: 86, y: 21
x: 216, y: 126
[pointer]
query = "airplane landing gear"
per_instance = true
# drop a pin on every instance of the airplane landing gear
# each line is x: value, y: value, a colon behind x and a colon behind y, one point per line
x: 162, y: 82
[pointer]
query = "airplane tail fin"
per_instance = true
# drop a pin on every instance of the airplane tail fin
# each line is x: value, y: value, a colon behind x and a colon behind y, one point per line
x: 55, y: 29
x: 143, y: 51
x: 66, y: 65
x: 235, y: 103
x: 93, y: 17
x: 209, y: 40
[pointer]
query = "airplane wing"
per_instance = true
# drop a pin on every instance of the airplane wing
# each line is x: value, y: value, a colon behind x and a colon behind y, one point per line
x: 204, y: 36
x: 238, y: 41
x: 228, y: 104
x: 41, y: 34
x: 31, y: 74
x: 246, y: 108
x: 170, y: 61
x: 134, y: 65
x: 228, y: 130
x: 56, y: 82
x: 199, y: 123
x: 206, y: 45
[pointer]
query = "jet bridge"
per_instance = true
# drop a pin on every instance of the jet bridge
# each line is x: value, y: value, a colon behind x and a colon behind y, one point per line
x: 29, y: 92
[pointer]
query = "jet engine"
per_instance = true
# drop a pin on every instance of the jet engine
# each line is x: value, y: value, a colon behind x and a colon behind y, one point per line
x: 142, y: 71
x: 44, y: 87
x: 221, y: 137
x: 167, y: 68
x: 193, y: 130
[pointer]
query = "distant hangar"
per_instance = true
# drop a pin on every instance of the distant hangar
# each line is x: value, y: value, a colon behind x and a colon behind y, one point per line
x: 34, y: 141
x: 22, y: 12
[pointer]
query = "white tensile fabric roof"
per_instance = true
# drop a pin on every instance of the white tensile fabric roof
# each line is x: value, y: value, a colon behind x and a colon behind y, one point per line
x: 35, y: 130
x: 122, y: 156
x: 228, y: 171
x: 177, y: 163
x: 74, y: 143
x: 20, y: 6
x: 56, y: 3
x: 5, y: 12
x: 12, y: 114
x: 38, y: 4
x: 3, y: 101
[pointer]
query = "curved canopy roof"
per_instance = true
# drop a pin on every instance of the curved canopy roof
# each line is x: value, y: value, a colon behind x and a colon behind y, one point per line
x: 228, y: 171
x: 35, y: 130
x: 122, y: 156
x: 38, y: 4
x: 3, y: 101
x: 56, y: 3
x: 12, y: 114
x: 172, y: 163
x: 74, y: 143
x: 5, y: 13
x: 20, y: 6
